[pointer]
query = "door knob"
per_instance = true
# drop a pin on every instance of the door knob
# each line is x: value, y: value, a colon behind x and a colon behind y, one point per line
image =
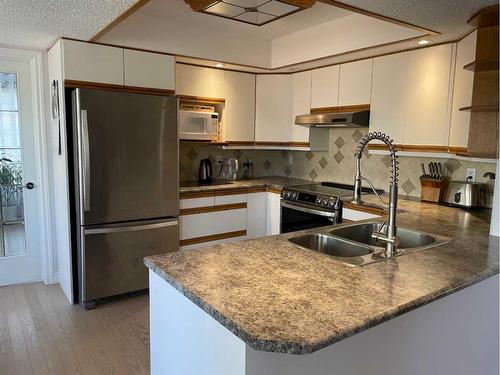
x: 29, y: 185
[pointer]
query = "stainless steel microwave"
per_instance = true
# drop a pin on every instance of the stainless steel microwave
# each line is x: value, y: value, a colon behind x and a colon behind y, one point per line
x: 198, y: 125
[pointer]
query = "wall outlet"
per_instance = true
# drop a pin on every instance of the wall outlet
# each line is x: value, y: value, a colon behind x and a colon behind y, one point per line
x: 471, y: 175
x: 290, y: 159
x: 218, y: 159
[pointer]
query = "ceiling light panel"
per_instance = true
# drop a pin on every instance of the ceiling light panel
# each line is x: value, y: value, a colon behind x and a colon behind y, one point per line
x: 226, y: 10
x: 255, y: 12
x: 246, y: 3
x: 277, y: 8
x: 255, y: 18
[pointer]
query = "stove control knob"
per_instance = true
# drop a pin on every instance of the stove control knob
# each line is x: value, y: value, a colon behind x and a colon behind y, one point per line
x: 319, y: 201
x: 332, y: 203
x: 294, y: 195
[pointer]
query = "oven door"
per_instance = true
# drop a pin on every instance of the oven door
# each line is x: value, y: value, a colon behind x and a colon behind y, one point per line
x: 297, y: 216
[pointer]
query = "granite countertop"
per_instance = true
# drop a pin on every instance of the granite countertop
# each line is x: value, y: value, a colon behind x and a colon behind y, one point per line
x: 275, y: 182
x: 281, y: 298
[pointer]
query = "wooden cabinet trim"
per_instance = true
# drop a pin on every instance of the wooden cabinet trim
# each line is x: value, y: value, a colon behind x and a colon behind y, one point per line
x: 212, y: 237
x: 203, y: 210
x: 346, y: 108
x: 234, y: 191
x: 222, y: 192
x: 112, y: 87
x: 274, y: 190
x: 196, y: 194
x: 200, y: 99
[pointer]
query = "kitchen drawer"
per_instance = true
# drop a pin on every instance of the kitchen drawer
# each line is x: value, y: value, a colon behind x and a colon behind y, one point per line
x: 197, y: 202
x: 228, y: 199
x: 210, y: 223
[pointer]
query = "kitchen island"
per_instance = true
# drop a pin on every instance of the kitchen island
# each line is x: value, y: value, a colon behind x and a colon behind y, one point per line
x: 266, y: 306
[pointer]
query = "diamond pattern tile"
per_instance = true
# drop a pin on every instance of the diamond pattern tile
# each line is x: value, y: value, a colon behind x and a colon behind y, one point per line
x: 323, y: 162
x: 386, y: 160
x: 266, y: 164
x: 451, y: 165
x: 313, y: 175
x: 309, y: 155
x: 288, y: 171
x: 237, y: 154
x: 408, y: 187
x: 192, y: 154
x: 366, y: 153
x: 357, y: 135
x: 339, y: 142
x: 338, y: 157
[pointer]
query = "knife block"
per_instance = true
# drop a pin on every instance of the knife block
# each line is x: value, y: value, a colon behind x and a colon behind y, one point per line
x: 432, y: 189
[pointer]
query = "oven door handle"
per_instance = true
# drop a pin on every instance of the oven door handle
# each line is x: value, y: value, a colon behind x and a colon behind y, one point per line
x: 308, y: 210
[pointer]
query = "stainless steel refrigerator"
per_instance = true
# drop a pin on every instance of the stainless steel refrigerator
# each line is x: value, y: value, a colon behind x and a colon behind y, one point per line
x: 126, y: 188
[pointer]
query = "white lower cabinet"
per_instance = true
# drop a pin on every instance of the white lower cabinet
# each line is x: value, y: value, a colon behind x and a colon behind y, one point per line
x: 257, y: 215
x: 210, y: 223
x: 273, y: 213
x: 260, y: 218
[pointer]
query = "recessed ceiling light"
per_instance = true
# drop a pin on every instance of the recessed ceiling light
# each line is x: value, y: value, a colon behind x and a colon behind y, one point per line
x: 423, y: 41
x: 219, y: 65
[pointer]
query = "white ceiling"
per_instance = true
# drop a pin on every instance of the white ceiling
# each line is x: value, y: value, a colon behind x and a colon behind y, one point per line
x: 448, y: 17
x: 36, y: 24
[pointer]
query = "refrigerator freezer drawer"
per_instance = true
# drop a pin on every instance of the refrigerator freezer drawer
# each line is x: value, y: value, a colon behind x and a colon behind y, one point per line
x: 111, y: 258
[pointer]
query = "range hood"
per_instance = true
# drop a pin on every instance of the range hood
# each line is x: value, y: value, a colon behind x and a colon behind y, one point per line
x: 358, y: 119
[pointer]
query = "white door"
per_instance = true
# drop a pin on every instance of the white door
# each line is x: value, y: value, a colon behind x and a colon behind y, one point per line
x: 20, y: 254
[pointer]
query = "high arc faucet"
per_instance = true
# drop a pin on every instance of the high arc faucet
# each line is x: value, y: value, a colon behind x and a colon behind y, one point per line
x: 390, y: 236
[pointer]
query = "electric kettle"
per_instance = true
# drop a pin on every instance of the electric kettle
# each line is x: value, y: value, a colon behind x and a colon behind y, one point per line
x: 205, y: 172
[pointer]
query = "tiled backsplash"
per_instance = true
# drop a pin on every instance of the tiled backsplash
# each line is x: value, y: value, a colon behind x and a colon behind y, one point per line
x: 337, y: 164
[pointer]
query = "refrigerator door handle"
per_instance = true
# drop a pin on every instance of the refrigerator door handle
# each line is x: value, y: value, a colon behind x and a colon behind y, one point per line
x: 132, y: 227
x: 86, y: 159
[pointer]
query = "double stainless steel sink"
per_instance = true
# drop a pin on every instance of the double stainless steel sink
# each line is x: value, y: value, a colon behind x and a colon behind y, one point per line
x: 354, y: 244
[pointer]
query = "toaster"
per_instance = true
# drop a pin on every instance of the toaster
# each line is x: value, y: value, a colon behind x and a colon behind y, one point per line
x: 464, y: 194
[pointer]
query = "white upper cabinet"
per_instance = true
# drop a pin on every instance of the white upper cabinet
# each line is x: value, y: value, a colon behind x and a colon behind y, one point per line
x: 301, y: 104
x: 239, y: 109
x: 388, y: 101
x: 198, y: 81
x: 355, y: 83
x: 428, y: 100
x: 92, y: 62
x: 151, y: 70
x: 273, y: 109
x: 325, y: 87
x: 411, y: 96
x: 462, y: 91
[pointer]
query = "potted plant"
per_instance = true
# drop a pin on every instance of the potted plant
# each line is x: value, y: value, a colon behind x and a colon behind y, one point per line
x: 10, y: 189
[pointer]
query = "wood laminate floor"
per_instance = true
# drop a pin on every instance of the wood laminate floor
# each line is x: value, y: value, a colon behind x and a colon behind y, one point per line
x: 40, y: 333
